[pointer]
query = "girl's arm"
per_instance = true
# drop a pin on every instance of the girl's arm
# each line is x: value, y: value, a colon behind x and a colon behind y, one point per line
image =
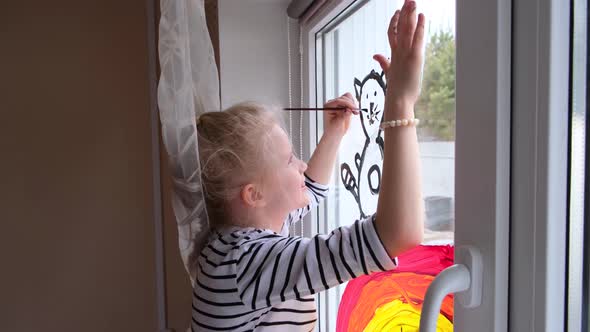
x: 336, y: 123
x: 321, y: 164
x: 271, y: 269
x: 400, y: 209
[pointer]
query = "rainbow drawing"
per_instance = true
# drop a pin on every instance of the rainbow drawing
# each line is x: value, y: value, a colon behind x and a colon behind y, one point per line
x: 392, y: 300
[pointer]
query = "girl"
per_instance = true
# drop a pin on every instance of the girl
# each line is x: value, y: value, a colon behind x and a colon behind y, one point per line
x: 251, y: 275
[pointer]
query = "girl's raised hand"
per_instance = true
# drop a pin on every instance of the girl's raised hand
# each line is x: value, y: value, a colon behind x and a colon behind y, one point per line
x: 338, y: 122
x: 406, y: 39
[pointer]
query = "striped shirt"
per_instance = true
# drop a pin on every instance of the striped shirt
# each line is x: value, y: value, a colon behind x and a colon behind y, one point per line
x: 254, y: 279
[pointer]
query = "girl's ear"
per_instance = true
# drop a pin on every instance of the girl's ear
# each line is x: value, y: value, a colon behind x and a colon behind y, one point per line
x: 252, y: 196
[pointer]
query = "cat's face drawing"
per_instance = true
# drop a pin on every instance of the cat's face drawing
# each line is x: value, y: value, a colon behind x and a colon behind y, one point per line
x: 370, y: 93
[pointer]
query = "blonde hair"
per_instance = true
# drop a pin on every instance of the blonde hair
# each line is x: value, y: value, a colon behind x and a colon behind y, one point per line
x: 234, y: 147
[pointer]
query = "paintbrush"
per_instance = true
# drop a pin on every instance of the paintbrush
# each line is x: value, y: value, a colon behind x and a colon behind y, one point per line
x: 322, y: 109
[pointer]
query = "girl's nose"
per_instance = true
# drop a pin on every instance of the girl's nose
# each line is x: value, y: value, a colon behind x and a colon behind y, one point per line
x: 302, y: 166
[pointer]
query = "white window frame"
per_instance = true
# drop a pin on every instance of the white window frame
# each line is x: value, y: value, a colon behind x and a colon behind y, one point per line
x: 310, y: 139
x: 540, y: 150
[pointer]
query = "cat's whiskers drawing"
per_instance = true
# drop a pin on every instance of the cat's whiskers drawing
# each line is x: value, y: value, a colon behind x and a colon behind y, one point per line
x: 373, y: 113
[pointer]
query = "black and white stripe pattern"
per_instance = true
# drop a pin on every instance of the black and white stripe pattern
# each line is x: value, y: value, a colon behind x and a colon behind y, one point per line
x: 252, y: 279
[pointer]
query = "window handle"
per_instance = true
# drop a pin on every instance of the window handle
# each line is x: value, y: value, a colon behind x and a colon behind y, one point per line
x: 464, y: 278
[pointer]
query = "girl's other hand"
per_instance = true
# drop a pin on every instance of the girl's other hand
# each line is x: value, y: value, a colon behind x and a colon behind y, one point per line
x: 337, y: 122
x: 406, y: 39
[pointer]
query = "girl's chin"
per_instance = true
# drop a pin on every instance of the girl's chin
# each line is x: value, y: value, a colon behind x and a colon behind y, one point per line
x: 305, y: 201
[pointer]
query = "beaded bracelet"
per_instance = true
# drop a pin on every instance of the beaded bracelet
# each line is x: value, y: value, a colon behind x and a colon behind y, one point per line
x: 399, y: 123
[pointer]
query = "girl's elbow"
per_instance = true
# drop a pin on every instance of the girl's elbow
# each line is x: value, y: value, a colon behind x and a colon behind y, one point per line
x: 416, y: 240
x: 401, y: 244
x: 400, y: 238
x: 411, y: 239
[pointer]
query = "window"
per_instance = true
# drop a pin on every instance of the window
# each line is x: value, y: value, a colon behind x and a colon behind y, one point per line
x: 344, y: 50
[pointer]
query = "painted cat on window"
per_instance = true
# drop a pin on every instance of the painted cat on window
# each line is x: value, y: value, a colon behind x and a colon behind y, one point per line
x: 370, y: 94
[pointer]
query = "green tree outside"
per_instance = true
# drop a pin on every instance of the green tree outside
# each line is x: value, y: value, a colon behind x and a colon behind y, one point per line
x: 436, y: 106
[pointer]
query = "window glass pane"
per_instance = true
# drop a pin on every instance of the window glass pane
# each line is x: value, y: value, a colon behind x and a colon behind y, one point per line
x: 345, y: 64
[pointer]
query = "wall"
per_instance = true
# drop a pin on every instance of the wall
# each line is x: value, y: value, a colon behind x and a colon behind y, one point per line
x: 253, y: 45
x: 77, y: 239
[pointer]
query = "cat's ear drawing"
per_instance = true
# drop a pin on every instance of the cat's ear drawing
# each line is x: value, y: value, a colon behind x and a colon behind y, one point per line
x: 357, y: 88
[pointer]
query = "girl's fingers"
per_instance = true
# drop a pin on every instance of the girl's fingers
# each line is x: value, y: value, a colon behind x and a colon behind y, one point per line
x: 412, y: 19
x: 401, y: 25
x: 392, y: 31
x: 383, y: 62
x: 347, y: 103
x: 418, y: 41
x: 345, y: 100
x: 407, y: 25
x: 351, y: 99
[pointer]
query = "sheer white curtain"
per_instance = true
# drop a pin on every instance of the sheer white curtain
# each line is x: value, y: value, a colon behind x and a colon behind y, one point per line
x: 188, y: 86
